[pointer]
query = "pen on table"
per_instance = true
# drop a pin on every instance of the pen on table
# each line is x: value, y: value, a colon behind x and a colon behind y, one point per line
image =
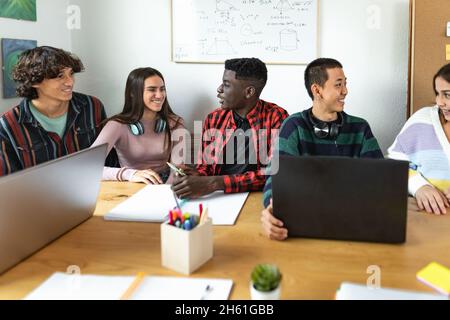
x: 176, y: 169
x: 176, y: 201
x: 133, y: 286
x: 207, y: 290
x: 180, y: 203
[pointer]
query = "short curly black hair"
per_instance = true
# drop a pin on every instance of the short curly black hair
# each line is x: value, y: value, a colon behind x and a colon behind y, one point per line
x: 251, y: 69
x: 41, y: 63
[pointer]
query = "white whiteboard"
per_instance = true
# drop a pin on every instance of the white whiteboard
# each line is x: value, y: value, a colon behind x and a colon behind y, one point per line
x: 275, y: 31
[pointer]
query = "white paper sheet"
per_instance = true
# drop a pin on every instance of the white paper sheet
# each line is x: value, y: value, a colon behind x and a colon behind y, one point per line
x: 152, y: 204
x: 171, y: 288
x: 351, y: 291
x: 61, y: 286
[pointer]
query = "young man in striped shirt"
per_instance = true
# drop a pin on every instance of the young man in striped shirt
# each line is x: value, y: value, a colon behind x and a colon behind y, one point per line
x: 52, y: 120
x: 323, y: 130
x: 236, y: 138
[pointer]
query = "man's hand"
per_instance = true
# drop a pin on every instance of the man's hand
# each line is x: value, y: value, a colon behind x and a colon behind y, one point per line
x: 189, y: 170
x: 271, y: 226
x: 432, y: 200
x: 196, y: 186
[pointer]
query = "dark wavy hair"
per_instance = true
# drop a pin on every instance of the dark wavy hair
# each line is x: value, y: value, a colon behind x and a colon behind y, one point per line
x: 443, y: 73
x: 134, y: 106
x: 41, y: 63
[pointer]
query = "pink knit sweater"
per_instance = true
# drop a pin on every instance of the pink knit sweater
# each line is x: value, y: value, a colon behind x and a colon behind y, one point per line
x: 146, y: 151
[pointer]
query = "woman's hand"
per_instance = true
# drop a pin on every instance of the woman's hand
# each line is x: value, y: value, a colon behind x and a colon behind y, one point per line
x: 432, y: 200
x: 146, y: 176
x: 447, y: 193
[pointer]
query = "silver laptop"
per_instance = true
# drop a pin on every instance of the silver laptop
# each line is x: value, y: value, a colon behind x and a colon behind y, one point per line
x: 39, y: 204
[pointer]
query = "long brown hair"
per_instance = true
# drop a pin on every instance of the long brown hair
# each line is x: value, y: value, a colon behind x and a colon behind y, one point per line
x: 134, y: 106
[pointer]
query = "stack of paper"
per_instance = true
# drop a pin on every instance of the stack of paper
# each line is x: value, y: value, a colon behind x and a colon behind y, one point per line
x: 351, y: 291
x: 152, y: 204
x: 61, y: 286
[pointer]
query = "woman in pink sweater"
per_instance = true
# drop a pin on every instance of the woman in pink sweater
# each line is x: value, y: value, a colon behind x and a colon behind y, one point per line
x: 142, y: 133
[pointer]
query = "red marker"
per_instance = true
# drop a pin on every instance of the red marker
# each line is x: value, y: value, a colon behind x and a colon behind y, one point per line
x: 170, y: 217
x: 200, y: 208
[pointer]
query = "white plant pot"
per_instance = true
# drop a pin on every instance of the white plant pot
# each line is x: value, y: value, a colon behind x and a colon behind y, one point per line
x: 265, y: 295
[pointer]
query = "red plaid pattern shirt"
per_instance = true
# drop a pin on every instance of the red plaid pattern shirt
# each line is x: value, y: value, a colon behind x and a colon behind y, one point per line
x: 265, y: 120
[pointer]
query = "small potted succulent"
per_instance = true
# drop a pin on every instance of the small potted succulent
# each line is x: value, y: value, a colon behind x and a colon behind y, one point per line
x: 265, y: 282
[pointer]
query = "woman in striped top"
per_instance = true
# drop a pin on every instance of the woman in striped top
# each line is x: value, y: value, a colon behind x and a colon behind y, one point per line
x: 424, y: 142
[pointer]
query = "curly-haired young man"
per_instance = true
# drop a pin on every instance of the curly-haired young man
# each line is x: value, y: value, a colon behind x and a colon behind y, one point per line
x: 52, y: 120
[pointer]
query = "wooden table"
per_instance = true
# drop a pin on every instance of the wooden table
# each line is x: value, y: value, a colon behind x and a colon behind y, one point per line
x: 312, y: 269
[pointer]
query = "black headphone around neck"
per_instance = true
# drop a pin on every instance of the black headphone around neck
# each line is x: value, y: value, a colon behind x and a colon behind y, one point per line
x: 323, y: 129
x: 137, y: 128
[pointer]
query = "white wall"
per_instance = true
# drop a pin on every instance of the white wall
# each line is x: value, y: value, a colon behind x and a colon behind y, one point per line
x: 119, y: 35
x: 50, y: 29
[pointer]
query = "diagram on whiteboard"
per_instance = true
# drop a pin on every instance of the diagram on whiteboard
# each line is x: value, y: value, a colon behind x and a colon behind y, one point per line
x: 222, y: 5
x: 276, y: 31
x: 284, y: 5
x: 288, y: 40
x: 221, y: 47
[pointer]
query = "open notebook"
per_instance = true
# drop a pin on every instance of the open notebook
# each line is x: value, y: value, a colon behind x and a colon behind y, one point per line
x: 352, y: 291
x: 62, y: 286
x: 152, y: 204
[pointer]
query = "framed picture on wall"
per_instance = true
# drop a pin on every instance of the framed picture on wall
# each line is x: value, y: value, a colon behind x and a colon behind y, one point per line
x: 18, y: 9
x: 11, y: 50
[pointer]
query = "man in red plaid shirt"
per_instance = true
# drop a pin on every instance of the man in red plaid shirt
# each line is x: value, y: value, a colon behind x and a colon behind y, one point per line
x: 237, y: 139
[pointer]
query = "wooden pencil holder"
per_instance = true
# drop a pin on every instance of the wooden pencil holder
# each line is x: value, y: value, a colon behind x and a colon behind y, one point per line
x: 186, y: 251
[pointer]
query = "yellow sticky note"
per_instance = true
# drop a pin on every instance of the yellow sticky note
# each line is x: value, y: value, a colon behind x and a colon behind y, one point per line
x: 436, y: 276
x: 447, y: 52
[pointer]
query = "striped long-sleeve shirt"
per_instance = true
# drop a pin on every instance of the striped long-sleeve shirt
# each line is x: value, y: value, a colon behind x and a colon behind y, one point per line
x: 25, y: 143
x: 265, y: 119
x: 297, y: 138
x: 422, y: 142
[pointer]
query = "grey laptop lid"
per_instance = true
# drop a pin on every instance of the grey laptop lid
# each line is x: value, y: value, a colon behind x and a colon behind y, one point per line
x: 40, y: 204
x: 342, y: 198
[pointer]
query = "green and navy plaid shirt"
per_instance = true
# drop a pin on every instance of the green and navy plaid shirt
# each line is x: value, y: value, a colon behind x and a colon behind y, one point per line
x: 25, y: 143
x: 297, y: 138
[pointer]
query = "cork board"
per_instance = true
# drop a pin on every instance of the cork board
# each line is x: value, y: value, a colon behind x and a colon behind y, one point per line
x: 428, y: 49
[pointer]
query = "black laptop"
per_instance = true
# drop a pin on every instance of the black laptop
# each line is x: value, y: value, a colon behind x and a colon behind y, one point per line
x: 342, y: 198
